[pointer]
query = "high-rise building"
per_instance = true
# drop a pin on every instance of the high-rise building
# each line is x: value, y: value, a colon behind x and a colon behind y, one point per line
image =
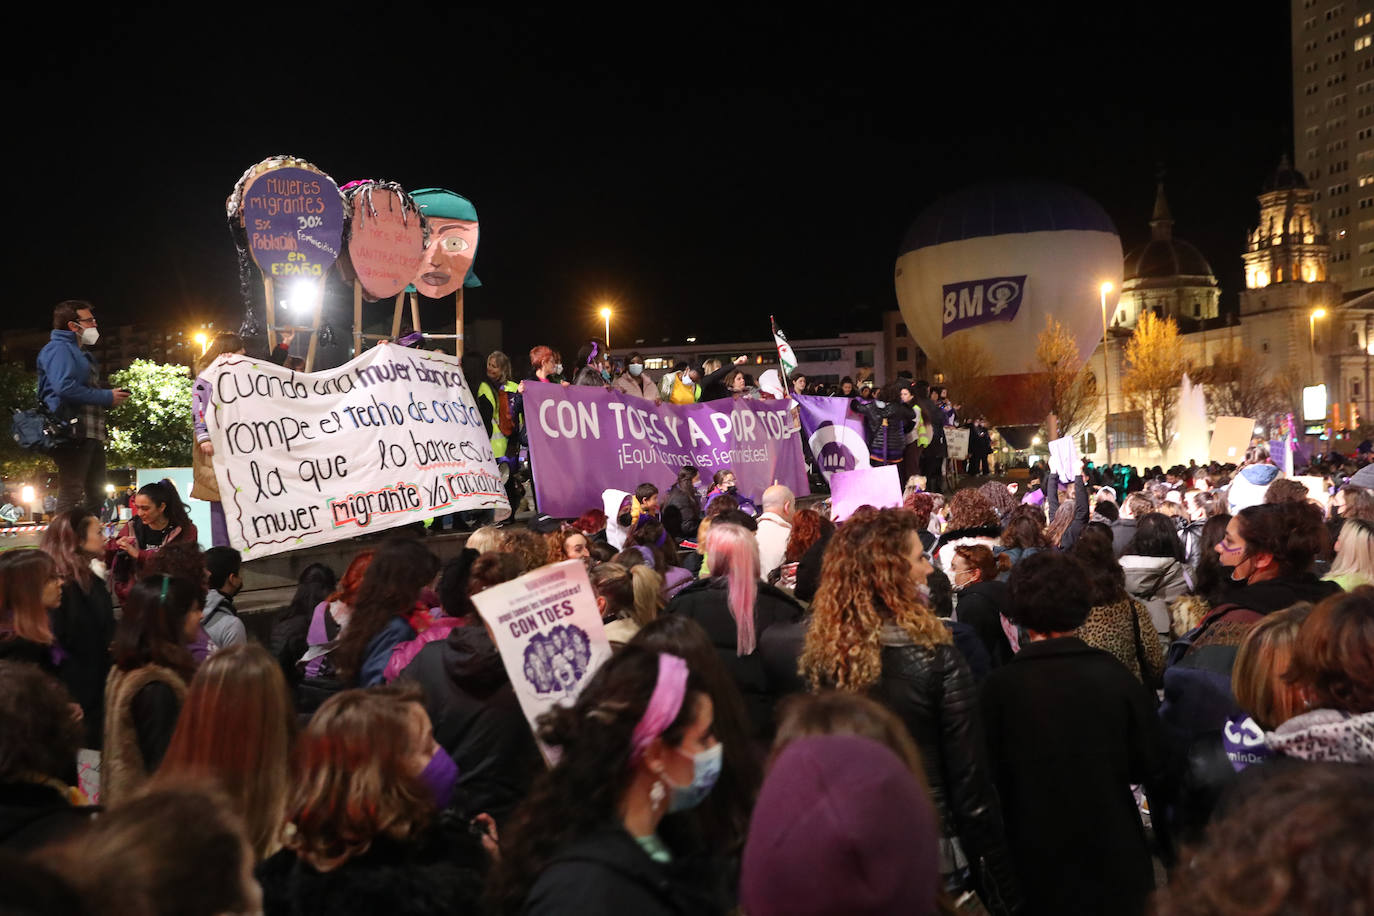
x: 1333, y: 127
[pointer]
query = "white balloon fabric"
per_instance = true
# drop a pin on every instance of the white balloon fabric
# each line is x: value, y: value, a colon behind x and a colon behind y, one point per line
x: 991, y: 262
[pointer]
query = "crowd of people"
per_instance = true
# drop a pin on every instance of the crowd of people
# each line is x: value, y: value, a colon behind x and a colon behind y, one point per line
x: 1119, y: 693
x: 1017, y: 702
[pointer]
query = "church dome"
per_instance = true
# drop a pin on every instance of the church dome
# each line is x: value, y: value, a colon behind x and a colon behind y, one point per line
x: 1164, y: 257
x: 1285, y: 177
x: 1161, y: 258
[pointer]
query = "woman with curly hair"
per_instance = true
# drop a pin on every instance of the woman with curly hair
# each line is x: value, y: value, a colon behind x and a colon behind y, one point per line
x: 365, y: 834
x: 529, y: 548
x: 592, y: 835
x: 872, y: 632
x: 972, y: 520
x: 1024, y: 533
x: 567, y: 543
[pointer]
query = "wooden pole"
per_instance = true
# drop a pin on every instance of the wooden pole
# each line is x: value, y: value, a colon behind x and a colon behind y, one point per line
x: 271, y: 301
x: 396, y: 317
x: 458, y: 324
x: 415, y: 311
x: 315, y: 327
x: 357, y: 318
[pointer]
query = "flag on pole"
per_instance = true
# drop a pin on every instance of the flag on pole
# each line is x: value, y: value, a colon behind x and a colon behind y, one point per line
x: 786, y: 357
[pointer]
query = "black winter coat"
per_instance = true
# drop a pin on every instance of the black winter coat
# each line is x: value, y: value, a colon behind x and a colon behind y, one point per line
x: 1069, y: 731
x: 607, y: 873
x: 84, y: 627
x: 707, y: 603
x: 33, y: 815
x: 681, y: 514
x: 438, y: 875
x: 477, y: 719
x: 981, y: 605
x: 885, y: 428
x: 932, y: 690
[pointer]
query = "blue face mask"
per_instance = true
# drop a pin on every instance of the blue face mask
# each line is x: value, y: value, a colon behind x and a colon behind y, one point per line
x: 705, y: 771
x: 606, y: 374
x: 440, y: 775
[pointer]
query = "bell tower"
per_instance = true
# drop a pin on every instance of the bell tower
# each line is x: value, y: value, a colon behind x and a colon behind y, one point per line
x: 1287, y: 254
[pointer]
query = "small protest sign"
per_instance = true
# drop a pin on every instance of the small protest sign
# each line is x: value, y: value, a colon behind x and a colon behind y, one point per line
x: 548, y: 629
x: 880, y: 488
x: 1230, y: 439
x: 956, y: 442
x: 1064, y: 461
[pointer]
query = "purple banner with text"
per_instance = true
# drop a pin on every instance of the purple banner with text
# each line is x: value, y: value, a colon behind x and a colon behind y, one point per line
x: 834, y: 432
x: 584, y: 440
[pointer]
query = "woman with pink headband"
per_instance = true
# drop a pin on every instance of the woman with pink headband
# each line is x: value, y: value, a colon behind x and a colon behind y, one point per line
x: 591, y: 837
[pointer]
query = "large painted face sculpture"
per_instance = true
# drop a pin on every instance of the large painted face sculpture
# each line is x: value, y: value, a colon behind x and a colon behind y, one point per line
x: 447, y: 264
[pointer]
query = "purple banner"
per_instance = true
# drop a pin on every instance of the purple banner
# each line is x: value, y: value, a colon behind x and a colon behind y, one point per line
x: 834, y: 432
x: 976, y: 302
x: 584, y: 440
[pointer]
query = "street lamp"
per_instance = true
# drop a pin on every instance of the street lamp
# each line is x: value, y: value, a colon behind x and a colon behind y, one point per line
x: 1312, y: 340
x: 1106, y: 376
x: 203, y: 340
x: 606, y: 315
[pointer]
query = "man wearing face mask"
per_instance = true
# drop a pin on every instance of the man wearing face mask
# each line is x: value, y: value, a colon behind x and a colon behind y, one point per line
x: 634, y: 382
x: 68, y: 383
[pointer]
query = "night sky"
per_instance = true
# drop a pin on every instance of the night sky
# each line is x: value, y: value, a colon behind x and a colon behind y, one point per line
x: 699, y: 171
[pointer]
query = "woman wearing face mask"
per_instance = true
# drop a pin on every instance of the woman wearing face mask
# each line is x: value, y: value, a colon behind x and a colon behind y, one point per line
x: 634, y: 382
x: 873, y: 632
x: 594, y: 368
x: 368, y: 832
x: 981, y: 599
x: 724, y: 483
x: 1268, y: 550
x: 594, y: 836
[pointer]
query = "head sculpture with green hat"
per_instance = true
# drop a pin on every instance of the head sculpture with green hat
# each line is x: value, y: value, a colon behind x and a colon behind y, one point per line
x: 447, y: 264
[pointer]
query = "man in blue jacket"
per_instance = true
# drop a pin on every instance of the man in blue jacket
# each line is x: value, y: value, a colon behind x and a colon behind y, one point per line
x: 67, y: 386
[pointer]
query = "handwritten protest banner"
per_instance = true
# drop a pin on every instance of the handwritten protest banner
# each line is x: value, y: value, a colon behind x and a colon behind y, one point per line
x: 293, y: 218
x: 956, y: 442
x: 584, y: 440
x: 390, y: 438
x: 549, y: 631
x: 386, y: 239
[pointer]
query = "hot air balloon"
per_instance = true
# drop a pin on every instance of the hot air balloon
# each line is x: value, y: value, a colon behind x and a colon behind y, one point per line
x: 988, y: 264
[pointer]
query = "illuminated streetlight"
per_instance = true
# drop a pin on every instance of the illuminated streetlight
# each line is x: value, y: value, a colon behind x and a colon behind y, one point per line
x: 606, y: 315
x: 1106, y: 376
x: 204, y: 341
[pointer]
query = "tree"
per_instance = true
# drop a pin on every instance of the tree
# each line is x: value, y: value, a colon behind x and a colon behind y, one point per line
x: 19, y: 391
x: 1155, y: 363
x: 1238, y: 385
x: 1069, y: 387
x: 967, y: 366
x: 153, y: 429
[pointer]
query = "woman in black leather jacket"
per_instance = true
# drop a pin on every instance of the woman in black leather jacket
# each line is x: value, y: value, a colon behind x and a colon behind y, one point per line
x: 873, y: 632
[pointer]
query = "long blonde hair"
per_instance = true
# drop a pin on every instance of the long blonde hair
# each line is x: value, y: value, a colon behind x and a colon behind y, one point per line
x: 734, y: 554
x: 1356, y: 553
x: 235, y: 727
x: 866, y: 582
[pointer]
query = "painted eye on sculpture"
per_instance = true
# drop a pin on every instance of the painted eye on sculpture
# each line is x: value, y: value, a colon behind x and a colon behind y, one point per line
x: 455, y: 244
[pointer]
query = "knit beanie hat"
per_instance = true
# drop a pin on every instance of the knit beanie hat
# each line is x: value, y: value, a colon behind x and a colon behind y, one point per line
x: 841, y: 827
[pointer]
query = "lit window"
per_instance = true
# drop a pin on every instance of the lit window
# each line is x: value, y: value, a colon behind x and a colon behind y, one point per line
x: 1363, y: 42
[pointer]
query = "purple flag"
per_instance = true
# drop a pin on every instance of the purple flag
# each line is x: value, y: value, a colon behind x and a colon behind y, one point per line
x: 880, y: 488
x: 584, y: 440
x: 834, y: 432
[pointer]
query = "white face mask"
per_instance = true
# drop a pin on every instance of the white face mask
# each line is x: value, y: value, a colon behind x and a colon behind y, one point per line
x: 635, y: 369
x: 89, y: 336
x: 557, y: 369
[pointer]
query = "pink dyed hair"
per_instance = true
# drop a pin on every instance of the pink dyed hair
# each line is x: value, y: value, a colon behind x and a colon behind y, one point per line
x: 734, y: 555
